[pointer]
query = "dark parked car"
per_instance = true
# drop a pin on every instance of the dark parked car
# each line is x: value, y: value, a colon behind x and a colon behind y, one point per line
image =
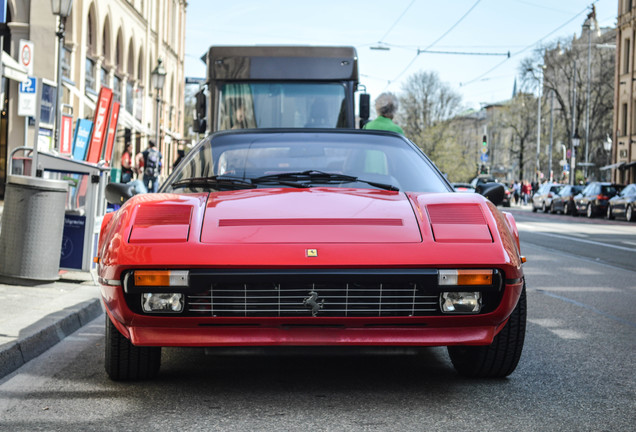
x: 623, y: 204
x: 563, y: 202
x: 594, y: 198
x: 542, y: 199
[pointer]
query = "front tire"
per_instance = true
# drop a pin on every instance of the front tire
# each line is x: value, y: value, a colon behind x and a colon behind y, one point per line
x: 629, y: 213
x: 499, y: 359
x: 566, y: 209
x: 609, y: 212
x: 124, y: 361
x: 589, y: 211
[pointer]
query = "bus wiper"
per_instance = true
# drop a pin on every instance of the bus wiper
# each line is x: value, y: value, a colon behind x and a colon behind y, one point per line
x: 310, y: 176
x: 220, y: 182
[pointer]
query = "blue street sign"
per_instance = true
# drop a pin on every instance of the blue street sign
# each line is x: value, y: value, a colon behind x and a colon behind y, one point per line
x: 3, y: 11
x: 28, y: 86
x: 484, y: 157
x: 566, y: 167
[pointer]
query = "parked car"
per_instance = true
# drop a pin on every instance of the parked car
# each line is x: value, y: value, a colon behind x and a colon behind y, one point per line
x: 463, y: 187
x: 563, y: 201
x: 542, y: 198
x: 593, y: 199
x: 623, y: 204
x: 315, y: 237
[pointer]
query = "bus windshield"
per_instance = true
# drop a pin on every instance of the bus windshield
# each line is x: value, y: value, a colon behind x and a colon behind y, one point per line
x: 282, y: 105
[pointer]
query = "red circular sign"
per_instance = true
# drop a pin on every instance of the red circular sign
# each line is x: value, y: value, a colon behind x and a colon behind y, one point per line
x: 25, y: 55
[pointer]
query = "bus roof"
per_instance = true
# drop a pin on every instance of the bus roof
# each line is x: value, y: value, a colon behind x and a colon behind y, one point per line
x: 284, y: 62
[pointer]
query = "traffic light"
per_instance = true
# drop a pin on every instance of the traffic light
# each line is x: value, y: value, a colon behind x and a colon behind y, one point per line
x: 484, y: 144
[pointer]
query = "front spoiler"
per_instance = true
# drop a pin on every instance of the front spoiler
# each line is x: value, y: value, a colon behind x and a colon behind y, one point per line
x: 303, y: 336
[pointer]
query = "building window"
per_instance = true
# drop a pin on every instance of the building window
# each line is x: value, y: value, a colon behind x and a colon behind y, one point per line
x: 626, y: 56
x: 66, y: 63
x: 624, y: 120
x: 130, y: 100
x: 117, y: 88
x: 103, y: 79
x: 90, y: 75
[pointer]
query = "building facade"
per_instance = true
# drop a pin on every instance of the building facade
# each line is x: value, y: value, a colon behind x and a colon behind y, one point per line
x: 624, y: 140
x: 115, y: 44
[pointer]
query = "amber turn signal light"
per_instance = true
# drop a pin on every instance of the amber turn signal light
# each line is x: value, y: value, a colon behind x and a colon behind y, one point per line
x: 465, y: 277
x: 161, y: 278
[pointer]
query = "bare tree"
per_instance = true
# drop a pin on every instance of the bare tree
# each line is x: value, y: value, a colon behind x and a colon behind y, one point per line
x: 426, y: 101
x: 519, y: 117
x: 566, y: 74
x: 426, y: 105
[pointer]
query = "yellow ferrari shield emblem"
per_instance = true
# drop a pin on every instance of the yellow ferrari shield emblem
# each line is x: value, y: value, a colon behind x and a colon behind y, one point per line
x: 311, y: 253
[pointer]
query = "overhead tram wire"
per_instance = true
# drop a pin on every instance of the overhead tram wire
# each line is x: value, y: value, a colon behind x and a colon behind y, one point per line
x: 480, y: 77
x: 396, y: 21
x: 434, y: 42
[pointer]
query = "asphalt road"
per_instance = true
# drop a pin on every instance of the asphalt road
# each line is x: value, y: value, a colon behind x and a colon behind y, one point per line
x: 576, y: 372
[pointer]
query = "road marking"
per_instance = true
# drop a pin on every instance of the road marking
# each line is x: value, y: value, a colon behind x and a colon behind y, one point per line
x: 580, y: 289
x: 554, y: 324
x: 567, y: 334
x: 591, y: 308
x: 584, y: 241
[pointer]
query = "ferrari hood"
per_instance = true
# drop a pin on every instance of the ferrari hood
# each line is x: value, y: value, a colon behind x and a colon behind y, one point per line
x: 316, y: 215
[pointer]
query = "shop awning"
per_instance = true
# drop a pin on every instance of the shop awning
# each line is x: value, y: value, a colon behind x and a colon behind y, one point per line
x: 612, y: 166
x: 12, y: 69
x: 130, y: 122
x: 629, y: 165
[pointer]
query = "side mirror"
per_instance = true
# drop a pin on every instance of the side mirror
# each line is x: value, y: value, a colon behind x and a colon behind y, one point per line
x: 493, y: 191
x: 119, y: 193
x: 200, y: 112
x: 365, y: 112
x: 199, y: 125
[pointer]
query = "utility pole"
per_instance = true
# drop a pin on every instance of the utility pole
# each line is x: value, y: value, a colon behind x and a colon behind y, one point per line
x: 551, y: 136
x: 574, y: 133
x: 589, y: 79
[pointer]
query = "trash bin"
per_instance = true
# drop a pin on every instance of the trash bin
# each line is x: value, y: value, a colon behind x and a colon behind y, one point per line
x: 32, y: 226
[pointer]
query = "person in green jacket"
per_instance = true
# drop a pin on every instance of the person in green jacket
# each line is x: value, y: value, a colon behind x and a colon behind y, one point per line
x: 386, y: 106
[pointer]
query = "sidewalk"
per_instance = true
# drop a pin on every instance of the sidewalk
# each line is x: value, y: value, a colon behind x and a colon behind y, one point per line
x: 34, y: 318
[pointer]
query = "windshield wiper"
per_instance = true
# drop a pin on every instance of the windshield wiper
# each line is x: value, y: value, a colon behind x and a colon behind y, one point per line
x: 220, y: 182
x: 316, y: 176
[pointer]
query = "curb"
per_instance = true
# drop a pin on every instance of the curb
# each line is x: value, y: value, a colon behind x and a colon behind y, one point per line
x: 46, y: 333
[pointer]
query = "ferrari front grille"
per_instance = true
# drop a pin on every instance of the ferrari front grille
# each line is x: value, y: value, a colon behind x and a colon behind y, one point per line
x: 368, y: 299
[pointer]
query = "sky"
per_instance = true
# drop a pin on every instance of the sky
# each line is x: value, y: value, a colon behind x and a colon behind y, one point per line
x: 493, y: 27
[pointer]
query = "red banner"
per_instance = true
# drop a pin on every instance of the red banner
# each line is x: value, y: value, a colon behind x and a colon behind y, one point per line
x: 112, y: 131
x: 100, y: 123
x: 66, y: 135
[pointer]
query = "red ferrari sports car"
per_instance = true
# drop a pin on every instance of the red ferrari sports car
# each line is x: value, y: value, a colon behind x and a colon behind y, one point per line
x: 310, y: 238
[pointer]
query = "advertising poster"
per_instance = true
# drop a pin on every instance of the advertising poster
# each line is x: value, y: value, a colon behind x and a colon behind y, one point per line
x: 66, y: 133
x: 112, y: 132
x: 80, y: 140
x: 102, y: 110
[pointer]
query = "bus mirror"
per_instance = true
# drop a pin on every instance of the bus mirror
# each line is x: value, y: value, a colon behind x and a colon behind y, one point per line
x: 364, y: 107
x: 200, y: 112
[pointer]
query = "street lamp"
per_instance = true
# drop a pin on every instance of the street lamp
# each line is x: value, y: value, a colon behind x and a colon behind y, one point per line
x: 607, y: 146
x: 157, y: 80
x: 540, y: 79
x: 62, y: 9
x: 576, y: 141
